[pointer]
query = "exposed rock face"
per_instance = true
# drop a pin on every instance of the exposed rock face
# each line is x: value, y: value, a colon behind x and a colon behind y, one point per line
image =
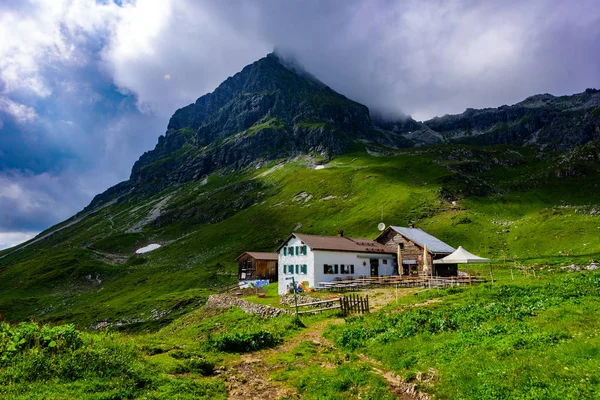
x: 544, y: 121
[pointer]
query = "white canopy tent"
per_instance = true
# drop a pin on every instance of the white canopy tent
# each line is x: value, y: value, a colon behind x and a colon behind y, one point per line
x: 461, y: 256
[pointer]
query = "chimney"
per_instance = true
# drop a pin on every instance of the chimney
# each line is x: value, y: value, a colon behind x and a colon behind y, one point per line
x: 340, y: 233
x: 411, y: 225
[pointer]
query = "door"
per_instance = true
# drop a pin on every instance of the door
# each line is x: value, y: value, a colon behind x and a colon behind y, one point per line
x: 374, y: 267
x: 405, y: 269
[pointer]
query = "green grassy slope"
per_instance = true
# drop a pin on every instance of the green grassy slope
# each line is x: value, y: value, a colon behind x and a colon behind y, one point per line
x: 509, y: 204
x: 528, y: 338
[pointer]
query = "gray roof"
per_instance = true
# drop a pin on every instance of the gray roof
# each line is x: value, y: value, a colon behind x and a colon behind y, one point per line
x: 423, y: 238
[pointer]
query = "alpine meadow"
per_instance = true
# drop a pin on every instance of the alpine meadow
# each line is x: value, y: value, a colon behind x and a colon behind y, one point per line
x: 273, y: 151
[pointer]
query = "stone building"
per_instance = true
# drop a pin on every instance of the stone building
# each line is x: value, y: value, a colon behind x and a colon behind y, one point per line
x: 417, y: 250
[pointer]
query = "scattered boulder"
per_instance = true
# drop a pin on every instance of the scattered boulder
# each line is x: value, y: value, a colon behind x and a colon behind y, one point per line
x: 302, y: 197
x: 592, y: 267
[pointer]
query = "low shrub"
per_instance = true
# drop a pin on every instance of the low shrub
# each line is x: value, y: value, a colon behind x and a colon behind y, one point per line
x: 242, y: 342
x: 29, y: 353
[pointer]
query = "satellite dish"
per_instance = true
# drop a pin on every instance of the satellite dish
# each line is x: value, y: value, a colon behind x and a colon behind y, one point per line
x: 381, y: 226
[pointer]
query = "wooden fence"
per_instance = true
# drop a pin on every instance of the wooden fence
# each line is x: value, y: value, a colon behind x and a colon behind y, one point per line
x: 401, y: 281
x: 352, y: 304
x: 228, y: 287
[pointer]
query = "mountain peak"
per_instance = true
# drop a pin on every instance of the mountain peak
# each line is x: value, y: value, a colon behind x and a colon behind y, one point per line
x: 271, y: 109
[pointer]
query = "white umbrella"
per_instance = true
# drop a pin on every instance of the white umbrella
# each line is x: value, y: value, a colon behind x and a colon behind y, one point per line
x: 426, y: 268
x: 400, y: 270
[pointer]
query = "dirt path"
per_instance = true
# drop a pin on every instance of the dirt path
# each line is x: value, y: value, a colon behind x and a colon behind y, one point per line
x: 249, y: 378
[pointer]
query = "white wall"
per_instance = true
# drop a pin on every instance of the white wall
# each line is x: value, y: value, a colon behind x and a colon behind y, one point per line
x: 295, y: 260
x: 338, y: 257
x: 388, y: 268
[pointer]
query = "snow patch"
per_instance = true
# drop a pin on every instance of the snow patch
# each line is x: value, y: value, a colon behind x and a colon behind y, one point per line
x: 148, y: 249
x: 320, y: 167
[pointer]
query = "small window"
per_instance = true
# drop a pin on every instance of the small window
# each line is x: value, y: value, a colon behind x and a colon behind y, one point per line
x: 344, y: 269
x: 328, y: 269
x: 401, y: 246
x: 291, y: 250
x: 385, y: 262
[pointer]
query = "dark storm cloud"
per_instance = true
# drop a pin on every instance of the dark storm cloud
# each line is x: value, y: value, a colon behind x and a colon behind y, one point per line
x: 93, y: 85
x: 423, y: 58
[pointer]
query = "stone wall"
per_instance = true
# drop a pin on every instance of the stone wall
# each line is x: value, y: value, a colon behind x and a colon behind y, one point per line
x: 228, y: 301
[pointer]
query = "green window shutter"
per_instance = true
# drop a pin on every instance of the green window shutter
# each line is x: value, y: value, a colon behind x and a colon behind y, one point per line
x: 297, y: 250
x: 285, y: 252
x: 284, y: 269
x: 335, y: 269
x: 304, y: 269
x: 297, y: 271
x: 351, y: 268
x: 304, y: 250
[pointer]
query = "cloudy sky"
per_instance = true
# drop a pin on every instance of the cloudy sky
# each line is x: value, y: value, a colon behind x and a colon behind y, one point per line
x: 87, y: 86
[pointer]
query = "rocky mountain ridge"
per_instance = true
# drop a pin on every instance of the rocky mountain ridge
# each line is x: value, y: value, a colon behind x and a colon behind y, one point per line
x: 543, y: 121
x: 273, y: 109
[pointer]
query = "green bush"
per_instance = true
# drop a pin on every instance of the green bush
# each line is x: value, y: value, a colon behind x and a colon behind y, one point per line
x: 29, y: 352
x: 200, y: 365
x: 242, y: 342
x: 15, y: 340
x: 191, y: 363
